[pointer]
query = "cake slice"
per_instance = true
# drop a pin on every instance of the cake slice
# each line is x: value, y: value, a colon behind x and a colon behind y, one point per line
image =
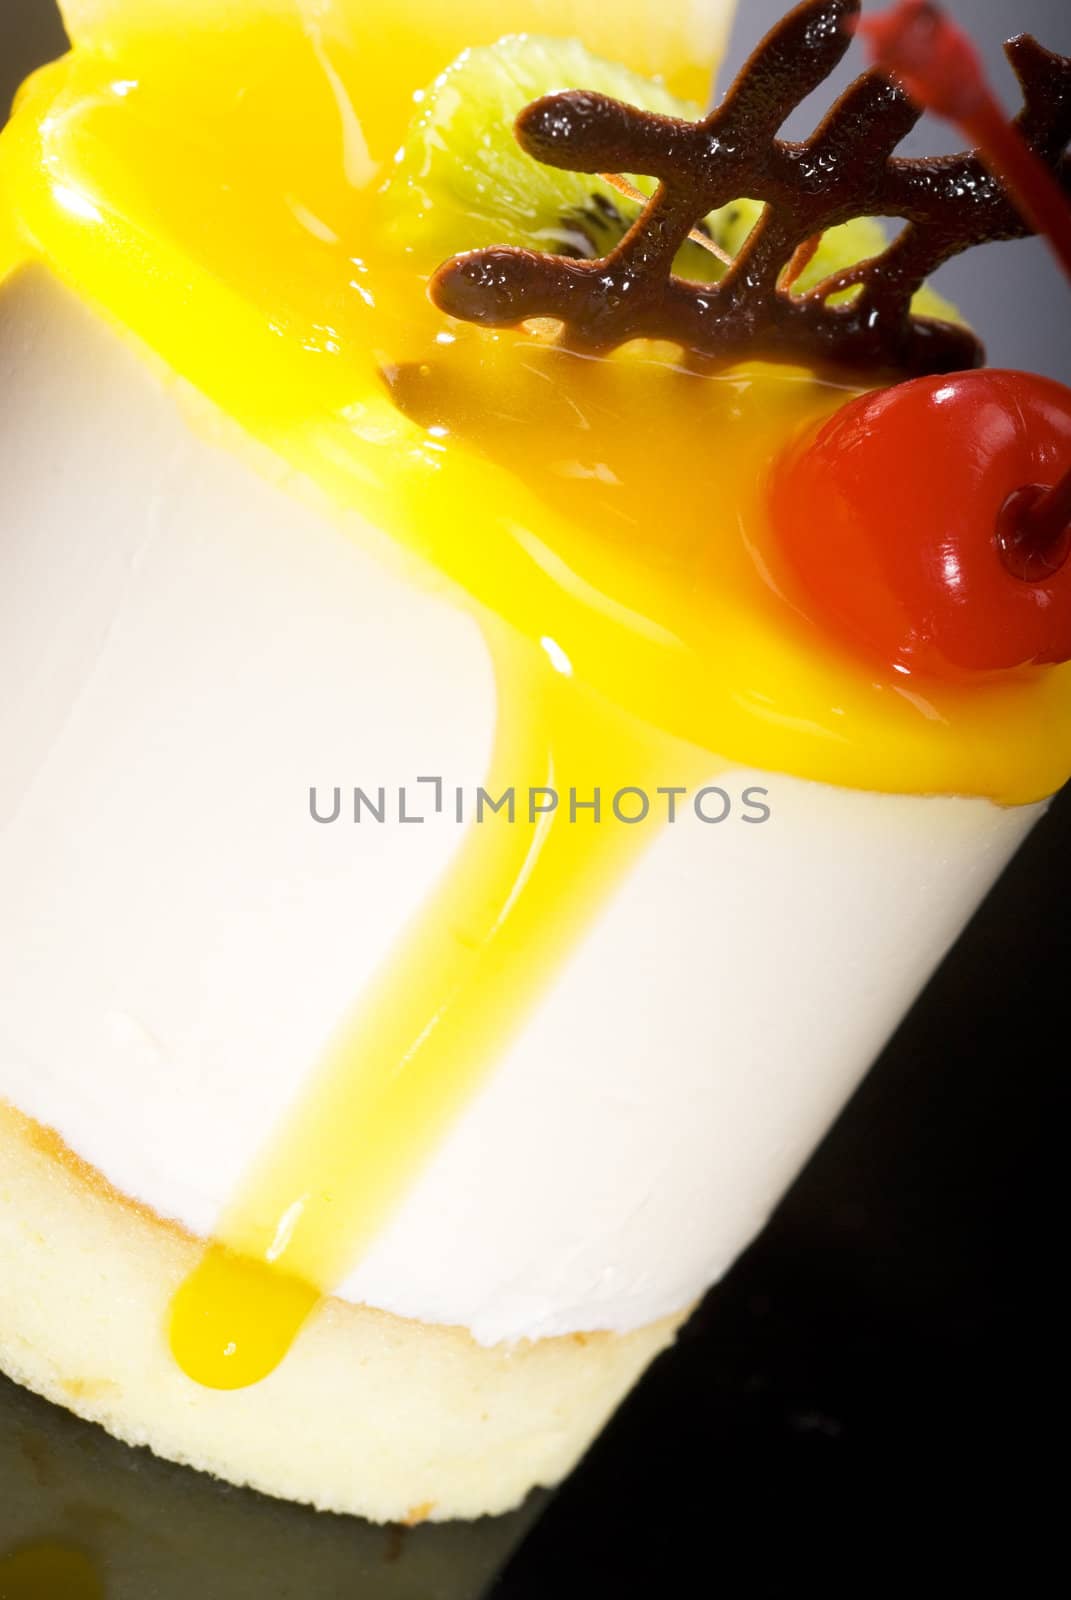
x: 450, y: 882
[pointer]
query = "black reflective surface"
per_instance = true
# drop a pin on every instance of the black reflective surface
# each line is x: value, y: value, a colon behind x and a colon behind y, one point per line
x: 84, y: 1518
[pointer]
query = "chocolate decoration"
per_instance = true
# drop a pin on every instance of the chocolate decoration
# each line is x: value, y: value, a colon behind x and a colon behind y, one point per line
x: 845, y: 170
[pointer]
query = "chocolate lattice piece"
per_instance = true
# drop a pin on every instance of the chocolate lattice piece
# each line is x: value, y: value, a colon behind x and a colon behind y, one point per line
x: 845, y: 170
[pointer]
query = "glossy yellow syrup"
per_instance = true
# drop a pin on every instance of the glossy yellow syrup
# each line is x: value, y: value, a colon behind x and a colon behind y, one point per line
x: 217, y: 192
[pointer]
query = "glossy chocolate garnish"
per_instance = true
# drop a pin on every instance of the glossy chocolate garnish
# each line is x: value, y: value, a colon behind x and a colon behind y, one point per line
x: 845, y: 170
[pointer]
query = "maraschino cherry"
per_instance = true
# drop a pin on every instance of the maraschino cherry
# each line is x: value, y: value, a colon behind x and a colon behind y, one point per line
x: 930, y: 524
x: 892, y: 519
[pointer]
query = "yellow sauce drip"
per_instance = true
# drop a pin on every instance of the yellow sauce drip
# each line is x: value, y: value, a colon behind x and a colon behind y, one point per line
x: 219, y: 196
x: 517, y: 898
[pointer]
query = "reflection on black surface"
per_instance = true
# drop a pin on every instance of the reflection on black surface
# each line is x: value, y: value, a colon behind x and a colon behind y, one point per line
x: 85, y: 1518
x: 48, y: 1571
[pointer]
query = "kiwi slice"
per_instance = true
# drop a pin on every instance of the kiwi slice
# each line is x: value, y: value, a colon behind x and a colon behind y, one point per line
x: 840, y: 247
x: 462, y: 182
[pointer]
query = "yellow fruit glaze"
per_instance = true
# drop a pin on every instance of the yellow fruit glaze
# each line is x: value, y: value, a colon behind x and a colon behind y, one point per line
x: 216, y: 192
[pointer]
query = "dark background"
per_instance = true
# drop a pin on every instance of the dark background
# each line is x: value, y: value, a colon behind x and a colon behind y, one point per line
x: 873, y: 1402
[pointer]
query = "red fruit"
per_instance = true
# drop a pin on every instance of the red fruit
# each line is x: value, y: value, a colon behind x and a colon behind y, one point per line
x: 932, y: 57
x: 893, y: 526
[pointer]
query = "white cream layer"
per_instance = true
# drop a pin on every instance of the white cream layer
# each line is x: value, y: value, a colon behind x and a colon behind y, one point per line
x: 185, y: 648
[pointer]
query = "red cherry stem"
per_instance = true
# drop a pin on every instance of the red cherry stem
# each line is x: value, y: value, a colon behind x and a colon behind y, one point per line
x: 1025, y: 176
x: 918, y: 44
x: 1049, y: 518
x: 937, y: 63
